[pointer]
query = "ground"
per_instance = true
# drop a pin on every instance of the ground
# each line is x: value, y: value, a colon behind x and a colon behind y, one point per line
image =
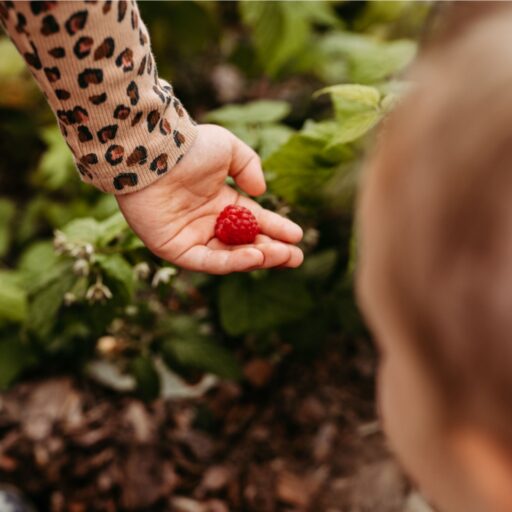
x: 295, y: 437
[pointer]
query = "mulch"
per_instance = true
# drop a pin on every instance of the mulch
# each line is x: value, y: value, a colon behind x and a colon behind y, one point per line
x: 295, y: 436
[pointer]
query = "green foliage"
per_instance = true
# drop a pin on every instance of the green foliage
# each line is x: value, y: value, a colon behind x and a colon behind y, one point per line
x: 12, y: 62
x: 79, y: 291
x: 118, y: 269
x: 257, y: 123
x: 56, y: 165
x: 15, y: 90
x: 46, y: 300
x: 297, y: 170
x: 300, y: 169
x: 282, y: 30
x: 256, y: 112
x: 146, y: 377
x: 203, y: 354
x: 13, y: 298
x: 7, y: 212
x: 259, y: 302
x: 365, y: 59
x: 14, y: 359
x: 89, y: 230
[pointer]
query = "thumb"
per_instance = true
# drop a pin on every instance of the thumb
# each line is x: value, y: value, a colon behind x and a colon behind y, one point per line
x: 246, y: 168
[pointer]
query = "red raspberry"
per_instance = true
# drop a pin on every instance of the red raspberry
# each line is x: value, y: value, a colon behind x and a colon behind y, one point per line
x: 236, y: 225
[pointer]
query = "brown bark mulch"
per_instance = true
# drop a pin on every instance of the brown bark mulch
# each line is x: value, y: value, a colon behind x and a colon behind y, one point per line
x: 298, y: 437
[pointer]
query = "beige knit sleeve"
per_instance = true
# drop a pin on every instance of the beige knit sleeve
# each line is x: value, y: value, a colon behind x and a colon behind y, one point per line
x: 93, y: 62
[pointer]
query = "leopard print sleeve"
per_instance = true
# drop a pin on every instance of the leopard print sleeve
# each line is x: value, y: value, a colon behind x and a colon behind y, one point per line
x: 93, y: 62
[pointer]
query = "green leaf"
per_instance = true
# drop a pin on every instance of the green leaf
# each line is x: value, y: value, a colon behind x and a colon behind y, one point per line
x: 105, y: 206
x: 323, y: 131
x: 355, y: 126
x: 357, y: 109
x: 279, y: 32
x: 131, y: 243
x: 319, y: 266
x: 111, y: 228
x: 56, y: 166
x: 322, y: 13
x: 203, y: 354
x: 83, y: 231
x: 282, y: 31
x: 247, y: 304
x: 37, y: 278
x: 99, y: 234
x: 146, y: 376
x: 260, y: 111
x: 117, y: 268
x: 13, y: 298
x: 249, y: 134
x: 14, y: 358
x: 271, y: 137
x: 12, y: 62
x: 45, y: 303
x: 340, y: 190
x: 361, y: 94
x: 361, y: 58
x: 7, y: 211
x: 387, y: 59
x: 37, y: 259
x: 295, y: 171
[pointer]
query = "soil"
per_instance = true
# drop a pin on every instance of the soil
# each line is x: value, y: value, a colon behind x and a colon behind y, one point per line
x: 293, y: 437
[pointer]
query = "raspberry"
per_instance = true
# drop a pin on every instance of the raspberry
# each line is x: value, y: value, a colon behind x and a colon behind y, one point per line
x: 236, y: 225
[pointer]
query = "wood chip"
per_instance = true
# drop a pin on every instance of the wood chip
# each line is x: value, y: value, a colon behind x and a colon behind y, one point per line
x: 258, y: 372
x: 293, y: 489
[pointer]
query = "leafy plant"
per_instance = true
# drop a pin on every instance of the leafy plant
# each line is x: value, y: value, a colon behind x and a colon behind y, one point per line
x: 282, y: 30
x: 257, y: 123
x: 79, y: 292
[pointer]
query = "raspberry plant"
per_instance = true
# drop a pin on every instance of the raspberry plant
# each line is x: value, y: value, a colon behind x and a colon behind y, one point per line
x: 79, y: 292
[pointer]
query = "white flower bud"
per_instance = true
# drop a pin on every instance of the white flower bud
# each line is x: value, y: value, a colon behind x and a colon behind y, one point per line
x: 206, y: 329
x: 60, y: 242
x: 69, y: 298
x: 81, y: 267
x: 98, y: 292
x: 88, y: 250
x: 311, y: 236
x: 142, y: 271
x: 284, y: 210
x: 131, y: 310
x: 163, y: 276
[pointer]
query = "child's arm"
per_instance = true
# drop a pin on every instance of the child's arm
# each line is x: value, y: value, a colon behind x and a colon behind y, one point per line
x: 131, y: 136
x: 94, y: 64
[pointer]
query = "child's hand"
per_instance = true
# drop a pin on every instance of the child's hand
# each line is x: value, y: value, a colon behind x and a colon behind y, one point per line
x: 175, y: 216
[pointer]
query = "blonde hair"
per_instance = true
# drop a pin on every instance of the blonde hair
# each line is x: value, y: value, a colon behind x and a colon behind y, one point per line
x: 440, y: 188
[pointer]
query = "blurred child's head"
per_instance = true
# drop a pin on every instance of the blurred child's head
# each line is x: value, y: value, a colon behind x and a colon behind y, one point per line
x: 435, y: 275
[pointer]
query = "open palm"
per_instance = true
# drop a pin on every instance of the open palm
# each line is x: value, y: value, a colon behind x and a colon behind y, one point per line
x: 175, y: 216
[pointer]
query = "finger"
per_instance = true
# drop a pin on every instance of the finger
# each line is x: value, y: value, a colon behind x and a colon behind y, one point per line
x: 278, y: 227
x: 296, y: 255
x: 201, y: 258
x: 272, y: 224
x: 246, y: 169
x: 215, y: 243
x: 296, y: 258
x: 276, y: 254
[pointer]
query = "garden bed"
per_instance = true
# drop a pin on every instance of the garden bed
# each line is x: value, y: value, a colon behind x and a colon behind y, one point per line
x: 298, y: 438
